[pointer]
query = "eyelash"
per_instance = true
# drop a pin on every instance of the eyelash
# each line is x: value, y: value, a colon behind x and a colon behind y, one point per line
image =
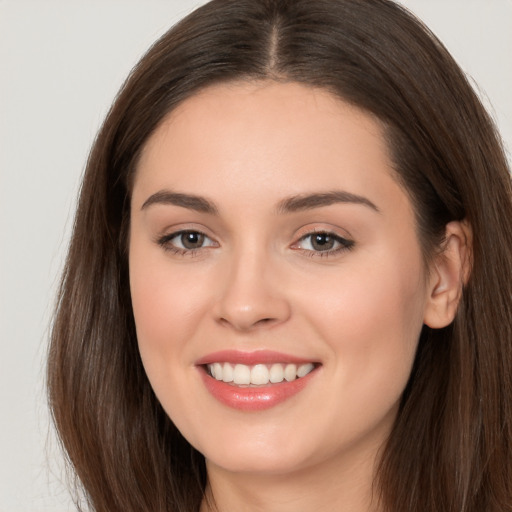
x: 344, y: 244
x: 165, y: 242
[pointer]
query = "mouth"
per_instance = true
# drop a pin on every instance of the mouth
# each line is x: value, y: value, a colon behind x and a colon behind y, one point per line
x: 258, y: 374
x: 255, y: 381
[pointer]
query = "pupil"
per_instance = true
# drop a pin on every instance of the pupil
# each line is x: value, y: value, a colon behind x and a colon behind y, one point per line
x: 322, y: 242
x: 192, y: 240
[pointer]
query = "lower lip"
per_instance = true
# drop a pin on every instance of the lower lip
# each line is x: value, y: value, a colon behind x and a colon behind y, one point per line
x: 254, y: 398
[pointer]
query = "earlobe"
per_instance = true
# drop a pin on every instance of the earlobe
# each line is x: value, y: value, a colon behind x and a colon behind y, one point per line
x: 450, y: 271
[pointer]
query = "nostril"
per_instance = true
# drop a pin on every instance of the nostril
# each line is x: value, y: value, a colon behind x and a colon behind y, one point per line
x: 223, y: 321
x: 264, y: 321
x: 247, y: 324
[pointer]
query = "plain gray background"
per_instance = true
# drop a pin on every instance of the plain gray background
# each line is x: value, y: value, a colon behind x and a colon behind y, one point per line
x: 61, y: 63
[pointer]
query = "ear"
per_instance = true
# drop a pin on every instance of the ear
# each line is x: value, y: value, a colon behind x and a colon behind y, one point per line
x: 449, y: 272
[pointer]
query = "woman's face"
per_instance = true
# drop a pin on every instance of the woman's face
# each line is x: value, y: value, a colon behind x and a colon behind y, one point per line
x: 269, y: 238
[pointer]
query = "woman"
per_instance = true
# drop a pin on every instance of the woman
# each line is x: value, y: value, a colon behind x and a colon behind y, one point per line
x: 289, y: 283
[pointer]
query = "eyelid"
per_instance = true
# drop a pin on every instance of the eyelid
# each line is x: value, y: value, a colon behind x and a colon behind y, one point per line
x: 344, y: 243
x: 169, y: 230
x: 177, y: 234
x: 164, y: 241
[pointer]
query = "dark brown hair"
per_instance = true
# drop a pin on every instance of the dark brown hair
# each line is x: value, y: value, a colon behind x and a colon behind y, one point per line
x: 451, y: 445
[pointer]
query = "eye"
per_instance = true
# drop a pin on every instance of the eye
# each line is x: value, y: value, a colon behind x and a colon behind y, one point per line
x: 186, y: 241
x: 323, y: 242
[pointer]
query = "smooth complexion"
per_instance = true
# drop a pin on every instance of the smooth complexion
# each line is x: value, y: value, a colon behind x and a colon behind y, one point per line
x: 250, y: 172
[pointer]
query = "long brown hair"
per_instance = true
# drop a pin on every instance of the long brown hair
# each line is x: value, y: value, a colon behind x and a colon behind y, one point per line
x: 451, y: 445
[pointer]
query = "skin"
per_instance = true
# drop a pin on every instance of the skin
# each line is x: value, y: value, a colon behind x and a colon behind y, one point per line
x: 258, y: 283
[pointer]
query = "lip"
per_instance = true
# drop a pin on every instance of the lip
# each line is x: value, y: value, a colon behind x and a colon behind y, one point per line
x: 250, y: 358
x: 253, y: 398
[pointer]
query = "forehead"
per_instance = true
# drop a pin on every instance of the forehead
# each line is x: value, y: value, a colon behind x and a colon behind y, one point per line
x: 266, y: 138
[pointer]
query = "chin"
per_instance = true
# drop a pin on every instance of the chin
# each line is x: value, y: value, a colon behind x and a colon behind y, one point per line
x: 256, y: 462
x: 263, y: 451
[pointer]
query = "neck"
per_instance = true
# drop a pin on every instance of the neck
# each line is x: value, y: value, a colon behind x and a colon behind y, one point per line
x: 336, y: 485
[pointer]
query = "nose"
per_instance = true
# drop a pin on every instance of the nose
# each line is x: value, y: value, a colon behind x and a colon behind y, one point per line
x: 253, y: 295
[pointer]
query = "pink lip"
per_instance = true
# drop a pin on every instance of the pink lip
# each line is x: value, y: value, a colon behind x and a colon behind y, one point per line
x: 252, y: 398
x: 250, y: 358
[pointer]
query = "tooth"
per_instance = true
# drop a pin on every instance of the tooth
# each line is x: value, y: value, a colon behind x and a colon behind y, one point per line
x: 259, y: 374
x: 304, y: 369
x: 290, y: 372
x: 276, y: 373
x: 227, y: 373
x: 217, y: 371
x: 241, y: 374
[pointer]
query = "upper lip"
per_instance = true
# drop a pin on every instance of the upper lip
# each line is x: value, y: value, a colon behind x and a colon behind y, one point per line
x: 251, y: 358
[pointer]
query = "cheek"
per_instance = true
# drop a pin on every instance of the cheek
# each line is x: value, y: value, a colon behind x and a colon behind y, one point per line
x: 371, y: 317
x: 166, y: 303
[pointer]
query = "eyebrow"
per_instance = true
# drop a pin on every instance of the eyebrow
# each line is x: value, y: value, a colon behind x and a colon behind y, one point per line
x: 190, y: 201
x: 289, y: 205
x: 317, y: 200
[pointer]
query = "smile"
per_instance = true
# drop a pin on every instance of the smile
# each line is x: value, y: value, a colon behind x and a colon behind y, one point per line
x: 255, y: 381
x: 259, y: 374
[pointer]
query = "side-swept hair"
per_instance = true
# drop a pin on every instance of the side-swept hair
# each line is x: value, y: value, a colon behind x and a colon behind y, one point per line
x: 451, y: 445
